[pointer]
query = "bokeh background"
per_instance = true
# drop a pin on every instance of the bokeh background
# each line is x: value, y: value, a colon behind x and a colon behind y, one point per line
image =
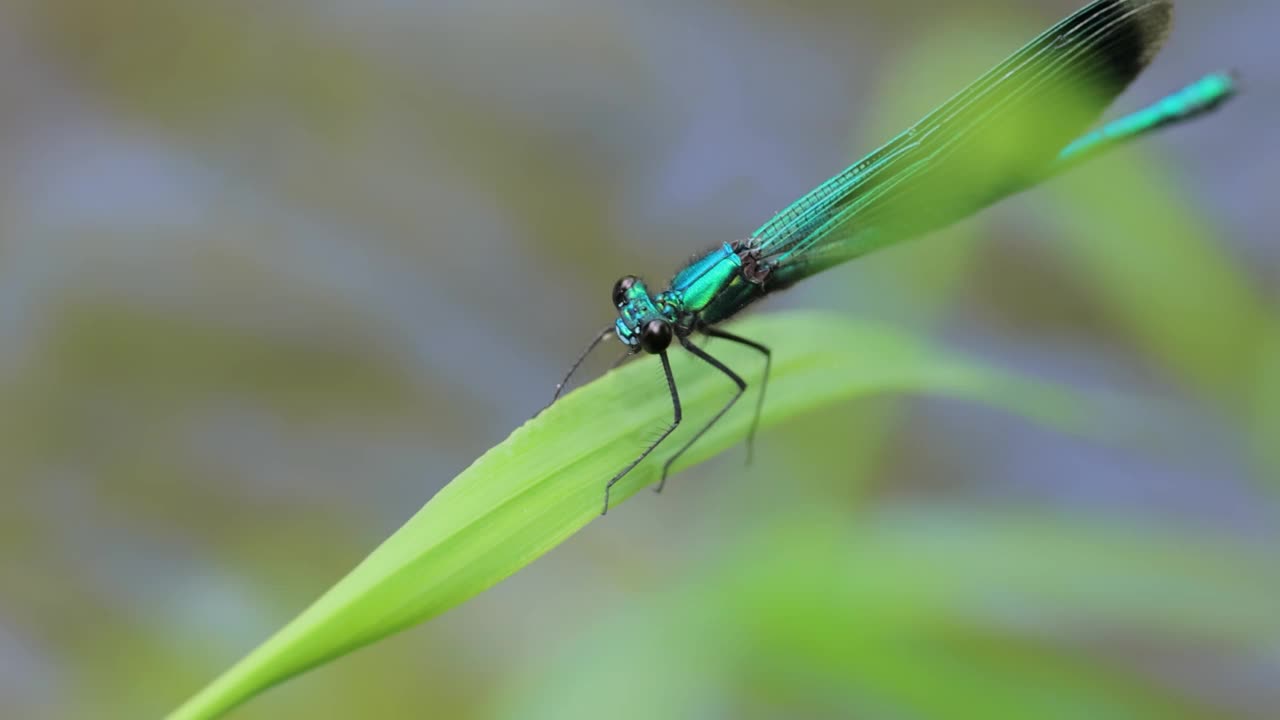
x: 272, y: 273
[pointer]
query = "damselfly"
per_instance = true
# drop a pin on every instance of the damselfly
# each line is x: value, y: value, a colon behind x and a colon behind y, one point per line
x: 1017, y: 125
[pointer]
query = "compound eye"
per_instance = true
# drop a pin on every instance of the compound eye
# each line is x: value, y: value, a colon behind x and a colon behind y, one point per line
x: 655, y: 337
x: 622, y: 288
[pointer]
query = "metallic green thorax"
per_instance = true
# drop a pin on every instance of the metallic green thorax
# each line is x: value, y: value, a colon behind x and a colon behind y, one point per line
x: 693, y: 288
x: 690, y: 292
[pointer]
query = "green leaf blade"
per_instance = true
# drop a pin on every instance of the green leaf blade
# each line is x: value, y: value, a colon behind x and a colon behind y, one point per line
x: 546, y: 481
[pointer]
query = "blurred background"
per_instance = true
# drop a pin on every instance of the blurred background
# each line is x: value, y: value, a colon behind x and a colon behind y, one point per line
x: 272, y: 273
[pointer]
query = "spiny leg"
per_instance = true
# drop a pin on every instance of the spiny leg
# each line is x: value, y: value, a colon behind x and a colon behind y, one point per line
x: 578, y: 363
x: 742, y: 388
x: 678, y: 414
x: 764, y: 384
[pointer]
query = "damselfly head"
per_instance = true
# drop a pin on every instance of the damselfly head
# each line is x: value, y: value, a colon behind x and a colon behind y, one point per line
x: 641, y: 324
